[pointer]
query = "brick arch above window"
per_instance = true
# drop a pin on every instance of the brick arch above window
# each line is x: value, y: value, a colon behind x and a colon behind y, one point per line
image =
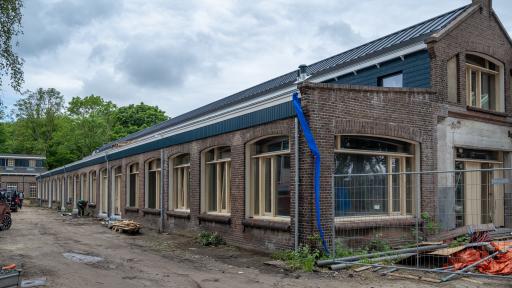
x: 377, y: 129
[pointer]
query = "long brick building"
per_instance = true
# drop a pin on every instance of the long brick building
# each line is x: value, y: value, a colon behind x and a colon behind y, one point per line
x: 433, y: 96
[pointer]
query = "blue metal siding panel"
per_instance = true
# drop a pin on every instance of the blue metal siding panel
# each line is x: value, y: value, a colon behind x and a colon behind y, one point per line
x: 415, y: 68
x: 274, y: 113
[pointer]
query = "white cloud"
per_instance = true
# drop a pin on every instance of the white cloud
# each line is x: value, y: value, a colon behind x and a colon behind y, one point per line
x: 180, y: 55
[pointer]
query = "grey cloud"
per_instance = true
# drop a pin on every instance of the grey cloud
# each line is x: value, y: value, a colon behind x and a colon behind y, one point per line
x: 47, y: 26
x: 157, y: 66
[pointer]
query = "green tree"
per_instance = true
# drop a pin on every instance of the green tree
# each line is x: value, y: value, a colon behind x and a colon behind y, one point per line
x: 10, y: 28
x: 133, y: 118
x: 91, y: 123
x: 36, y: 120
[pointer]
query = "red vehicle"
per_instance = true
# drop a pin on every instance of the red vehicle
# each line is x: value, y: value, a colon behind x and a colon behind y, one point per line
x: 5, y: 214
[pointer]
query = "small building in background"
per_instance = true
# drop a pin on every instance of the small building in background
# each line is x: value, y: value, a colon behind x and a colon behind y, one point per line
x: 18, y: 172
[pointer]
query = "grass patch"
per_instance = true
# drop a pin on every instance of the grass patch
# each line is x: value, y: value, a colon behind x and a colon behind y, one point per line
x: 210, y: 239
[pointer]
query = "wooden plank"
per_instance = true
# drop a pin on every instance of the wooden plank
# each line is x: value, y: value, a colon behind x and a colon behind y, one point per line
x: 362, y: 268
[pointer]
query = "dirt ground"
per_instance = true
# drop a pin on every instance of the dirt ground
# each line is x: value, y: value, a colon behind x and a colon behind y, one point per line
x: 39, y: 238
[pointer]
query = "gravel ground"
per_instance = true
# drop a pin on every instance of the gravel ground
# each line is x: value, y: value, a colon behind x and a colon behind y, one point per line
x: 41, y: 241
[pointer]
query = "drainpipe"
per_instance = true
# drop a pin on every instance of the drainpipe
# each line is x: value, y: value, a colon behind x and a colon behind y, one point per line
x: 109, y: 188
x: 162, y: 210
x: 296, y: 216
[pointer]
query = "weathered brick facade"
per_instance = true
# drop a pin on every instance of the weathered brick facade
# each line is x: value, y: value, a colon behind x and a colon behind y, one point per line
x: 411, y: 114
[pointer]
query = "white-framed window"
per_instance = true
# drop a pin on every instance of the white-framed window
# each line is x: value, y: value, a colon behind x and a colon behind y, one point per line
x: 133, y: 185
x: 179, y: 182
x: 371, y: 176
x: 392, y: 80
x: 484, y: 83
x: 12, y: 186
x: 32, y: 190
x: 70, y: 189
x: 269, y: 174
x: 84, y: 192
x: 216, y: 186
x: 152, y: 191
x: 104, y: 191
x: 32, y: 163
x: 92, y: 187
x: 10, y: 162
x: 117, y: 173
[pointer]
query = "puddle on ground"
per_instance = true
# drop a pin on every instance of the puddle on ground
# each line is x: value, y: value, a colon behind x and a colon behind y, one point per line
x: 82, y: 258
x: 33, y: 283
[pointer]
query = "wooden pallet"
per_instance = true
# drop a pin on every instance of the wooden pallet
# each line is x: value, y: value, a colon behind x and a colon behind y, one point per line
x: 127, y: 226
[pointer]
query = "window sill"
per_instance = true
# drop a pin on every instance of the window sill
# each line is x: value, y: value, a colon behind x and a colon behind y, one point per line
x: 218, y: 218
x: 91, y: 205
x: 178, y: 214
x: 269, y: 224
x: 491, y: 112
x: 151, y: 211
x: 131, y: 209
x: 347, y: 223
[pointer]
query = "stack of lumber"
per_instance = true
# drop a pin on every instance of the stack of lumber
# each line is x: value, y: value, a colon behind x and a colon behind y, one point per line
x: 127, y: 226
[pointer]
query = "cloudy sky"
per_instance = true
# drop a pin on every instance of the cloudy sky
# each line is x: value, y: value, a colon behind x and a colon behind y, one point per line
x: 182, y: 54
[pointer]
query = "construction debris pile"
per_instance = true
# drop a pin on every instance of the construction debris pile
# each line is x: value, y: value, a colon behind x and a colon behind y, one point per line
x: 126, y: 226
x: 477, y: 251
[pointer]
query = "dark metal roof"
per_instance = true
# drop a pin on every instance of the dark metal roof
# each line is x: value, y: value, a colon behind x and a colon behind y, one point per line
x: 404, y: 37
x: 9, y: 155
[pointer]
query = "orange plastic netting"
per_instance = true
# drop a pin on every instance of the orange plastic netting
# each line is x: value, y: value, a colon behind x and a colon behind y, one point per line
x: 501, y: 264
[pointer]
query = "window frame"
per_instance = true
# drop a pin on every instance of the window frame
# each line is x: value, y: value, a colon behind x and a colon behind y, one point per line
x: 117, y: 184
x: 381, y: 79
x: 133, y: 169
x: 402, y: 158
x: 103, y: 191
x: 498, y: 74
x: 152, y: 166
x: 92, y: 186
x: 261, y: 157
x: 223, y: 169
x: 177, y: 186
x: 11, y: 162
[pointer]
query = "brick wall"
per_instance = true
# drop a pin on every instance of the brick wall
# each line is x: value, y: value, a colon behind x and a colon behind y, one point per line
x: 479, y: 32
x: 408, y: 114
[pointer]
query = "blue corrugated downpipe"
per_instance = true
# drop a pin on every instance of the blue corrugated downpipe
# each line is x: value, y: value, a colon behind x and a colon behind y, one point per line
x: 316, y: 154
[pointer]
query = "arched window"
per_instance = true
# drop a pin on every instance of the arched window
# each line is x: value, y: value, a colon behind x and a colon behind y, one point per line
x: 484, y: 83
x: 104, y: 191
x: 76, y: 182
x: 133, y: 185
x: 92, y: 186
x: 152, y: 190
x: 117, y: 173
x: 84, y: 192
x: 269, y: 174
x: 70, y: 190
x: 217, y: 180
x: 371, y: 176
x: 179, y: 182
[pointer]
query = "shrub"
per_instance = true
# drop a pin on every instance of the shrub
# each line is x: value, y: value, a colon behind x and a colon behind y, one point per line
x: 210, y: 239
x: 302, y: 259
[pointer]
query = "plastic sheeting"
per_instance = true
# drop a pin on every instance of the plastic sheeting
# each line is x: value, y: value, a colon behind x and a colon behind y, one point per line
x: 501, y: 264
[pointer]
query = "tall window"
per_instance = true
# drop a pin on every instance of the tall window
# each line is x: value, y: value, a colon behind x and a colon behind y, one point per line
x: 32, y: 163
x: 153, y: 184
x: 70, y: 189
x: 32, y: 190
x: 179, y: 181
x: 217, y: 180
x: 269, y: 170
x: 371, y: 178
x: 92, y: 186
x: 116, y: 190
x: 133, y: 185
x: 84, y: 193
x: 10, y: 162
x: 104, y: 191
x: 483, y: 83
